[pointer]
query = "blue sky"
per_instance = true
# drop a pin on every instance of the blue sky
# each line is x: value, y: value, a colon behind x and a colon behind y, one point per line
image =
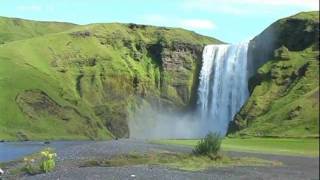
x: 228, y: 20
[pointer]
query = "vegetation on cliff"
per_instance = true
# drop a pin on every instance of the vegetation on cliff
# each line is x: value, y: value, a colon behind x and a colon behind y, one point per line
x: 66, y: 81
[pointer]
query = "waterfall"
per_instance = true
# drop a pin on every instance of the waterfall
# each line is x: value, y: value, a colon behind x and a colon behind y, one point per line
x: 223, y: 86
x: 223, y: 89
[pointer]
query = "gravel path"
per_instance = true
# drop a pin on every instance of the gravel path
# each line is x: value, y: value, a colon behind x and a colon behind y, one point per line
x: 293, y: 168
x: 108, y: 149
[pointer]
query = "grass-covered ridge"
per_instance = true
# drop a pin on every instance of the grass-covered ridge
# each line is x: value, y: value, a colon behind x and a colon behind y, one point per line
x: 12, y: 29
x: 65, y: 81
x: 284, y: 99
x: 311, y: 15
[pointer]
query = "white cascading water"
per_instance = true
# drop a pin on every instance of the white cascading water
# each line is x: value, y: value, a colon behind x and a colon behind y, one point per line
x: 223, y: 87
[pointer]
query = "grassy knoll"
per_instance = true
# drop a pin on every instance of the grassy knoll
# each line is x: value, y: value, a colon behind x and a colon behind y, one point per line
x: 283, y: 146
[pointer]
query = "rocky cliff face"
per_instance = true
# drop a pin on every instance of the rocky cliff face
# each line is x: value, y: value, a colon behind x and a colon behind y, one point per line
x: 99, y: 75
x: 284, y: 69
x: 162, y: 71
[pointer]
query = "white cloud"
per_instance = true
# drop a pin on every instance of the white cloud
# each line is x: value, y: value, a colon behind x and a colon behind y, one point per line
x: 48, y: 7
x: 239, y: 7
x: 312, y: 4
x: 197, y: 24
x: 33, y: 8
x: 192, y: 24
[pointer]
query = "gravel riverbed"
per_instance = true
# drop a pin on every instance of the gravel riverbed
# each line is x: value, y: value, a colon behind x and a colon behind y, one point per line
x: 293, y: 167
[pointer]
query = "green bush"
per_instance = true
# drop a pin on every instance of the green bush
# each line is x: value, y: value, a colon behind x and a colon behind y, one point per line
x: 209, y: 145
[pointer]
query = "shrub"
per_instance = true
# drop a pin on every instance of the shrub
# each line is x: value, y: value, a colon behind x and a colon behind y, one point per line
x: 209, y: 145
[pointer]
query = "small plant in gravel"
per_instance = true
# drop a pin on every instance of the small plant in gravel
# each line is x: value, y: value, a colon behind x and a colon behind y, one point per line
x: 209, y: 146
x: 47, y: 162
x: 42, y: 162
x: 30, y: 166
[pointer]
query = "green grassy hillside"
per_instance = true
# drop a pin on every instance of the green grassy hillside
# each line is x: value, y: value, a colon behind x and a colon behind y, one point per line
x: 284, y: 97
x: 64, y: 81
x: 12, y: 29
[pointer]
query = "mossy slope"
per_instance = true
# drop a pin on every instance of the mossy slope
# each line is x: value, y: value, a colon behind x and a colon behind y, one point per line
x: 284, y: 97
x: 79, y: 82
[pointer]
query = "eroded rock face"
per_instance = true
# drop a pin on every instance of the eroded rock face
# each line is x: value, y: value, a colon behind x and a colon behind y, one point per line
x: 38, y: 105
x: 181, y: 64
x: 36, y: 102
x: 282, y: 53
x: 82, y: 34
x: 116, y: 120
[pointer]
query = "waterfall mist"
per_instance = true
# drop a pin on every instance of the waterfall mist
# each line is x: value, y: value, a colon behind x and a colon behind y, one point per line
x: 154, y: 123
x: 222, y: 91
